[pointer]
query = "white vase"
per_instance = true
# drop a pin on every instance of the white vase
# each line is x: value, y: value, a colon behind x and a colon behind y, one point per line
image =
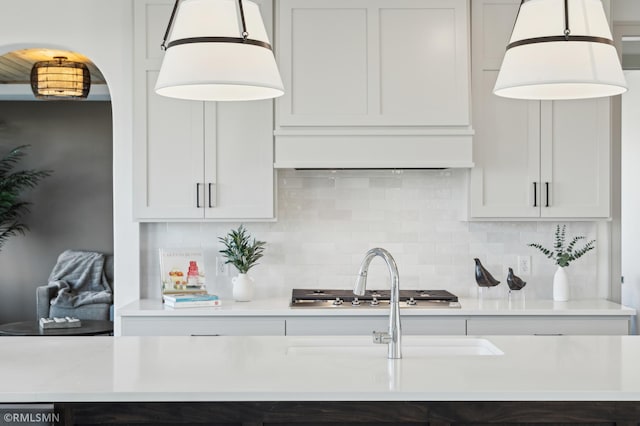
x: 242, y: 288
x: 560, y: 285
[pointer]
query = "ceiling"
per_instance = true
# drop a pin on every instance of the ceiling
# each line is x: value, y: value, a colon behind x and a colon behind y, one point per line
x: 15, y: 67
x: 15, y: 73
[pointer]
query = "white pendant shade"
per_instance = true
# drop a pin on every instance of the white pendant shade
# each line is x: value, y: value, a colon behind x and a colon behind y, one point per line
x: 540, y: 63
x: 220, y: 67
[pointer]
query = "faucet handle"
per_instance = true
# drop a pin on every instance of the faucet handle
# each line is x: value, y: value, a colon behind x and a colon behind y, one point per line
x: 381, y: 337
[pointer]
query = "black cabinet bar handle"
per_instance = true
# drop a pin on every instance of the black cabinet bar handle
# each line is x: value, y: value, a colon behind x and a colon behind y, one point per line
x: 198, y: 195
x: 546, y: 184
x: 535, y: 194
x: 210, y: 206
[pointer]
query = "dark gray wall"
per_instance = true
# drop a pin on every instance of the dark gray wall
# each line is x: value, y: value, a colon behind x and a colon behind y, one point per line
x: 72, y: 209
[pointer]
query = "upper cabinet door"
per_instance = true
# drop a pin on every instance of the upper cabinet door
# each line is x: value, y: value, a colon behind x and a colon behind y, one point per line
x: 373, y: 62
x: 168, y: 133
x: 576, y: 168
x: 505, y: 181
x: 239, y: 175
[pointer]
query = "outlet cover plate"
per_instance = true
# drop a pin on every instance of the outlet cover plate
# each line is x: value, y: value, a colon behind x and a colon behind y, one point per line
x: 524, y: 265
x: 222, y: 269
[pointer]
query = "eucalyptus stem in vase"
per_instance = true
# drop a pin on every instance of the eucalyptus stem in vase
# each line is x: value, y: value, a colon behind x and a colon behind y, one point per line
x: 563, y: 255
x: 243, y: 253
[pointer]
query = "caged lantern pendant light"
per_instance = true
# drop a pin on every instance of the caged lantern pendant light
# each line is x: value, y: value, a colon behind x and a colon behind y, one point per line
x: 560, y: 49
x: 60, y: 79
x: 217, y: 50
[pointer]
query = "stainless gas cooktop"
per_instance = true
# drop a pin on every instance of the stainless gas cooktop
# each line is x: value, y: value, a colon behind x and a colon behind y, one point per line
x: 303, y: 298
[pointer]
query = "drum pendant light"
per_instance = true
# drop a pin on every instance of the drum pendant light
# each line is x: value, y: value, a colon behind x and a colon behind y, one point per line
x: 560, y: 49
x: 217, y: 50
x: 60, y: 79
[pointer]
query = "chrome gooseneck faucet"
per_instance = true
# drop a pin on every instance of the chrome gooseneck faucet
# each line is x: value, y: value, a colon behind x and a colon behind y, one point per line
x: 394, y: 336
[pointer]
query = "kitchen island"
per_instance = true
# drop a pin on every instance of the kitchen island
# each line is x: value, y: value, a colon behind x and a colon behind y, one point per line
x: 333, y: 378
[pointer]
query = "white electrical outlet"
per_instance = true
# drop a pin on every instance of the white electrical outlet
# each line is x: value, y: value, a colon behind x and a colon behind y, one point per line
x: 524, y: 265
x: 221, y: 267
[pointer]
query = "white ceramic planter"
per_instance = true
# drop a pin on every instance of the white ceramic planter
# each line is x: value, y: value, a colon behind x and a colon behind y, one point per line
x: 242, y: 288
x: 560, y: 285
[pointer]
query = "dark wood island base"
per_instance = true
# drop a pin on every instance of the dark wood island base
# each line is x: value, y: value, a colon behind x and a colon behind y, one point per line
x: 346, y: 412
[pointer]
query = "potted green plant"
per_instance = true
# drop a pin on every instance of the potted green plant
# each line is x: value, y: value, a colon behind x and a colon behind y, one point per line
x: 12, y: 185
x: 244, y: 254
x: 563, y: 255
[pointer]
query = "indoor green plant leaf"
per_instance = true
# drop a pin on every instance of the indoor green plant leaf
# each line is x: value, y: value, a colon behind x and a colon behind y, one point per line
x: 12, y: 185
x: 561, y: 255
x: 240, y: 251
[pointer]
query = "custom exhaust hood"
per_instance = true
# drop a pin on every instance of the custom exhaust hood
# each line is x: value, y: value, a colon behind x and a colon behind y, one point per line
x: 373, y: 85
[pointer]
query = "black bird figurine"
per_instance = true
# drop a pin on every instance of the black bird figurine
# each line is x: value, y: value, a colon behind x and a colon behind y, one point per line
x: 514, y: 282
x: 484, y: 277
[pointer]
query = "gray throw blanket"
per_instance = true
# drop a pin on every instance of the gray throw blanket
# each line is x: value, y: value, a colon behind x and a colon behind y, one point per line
x: 81, y: 279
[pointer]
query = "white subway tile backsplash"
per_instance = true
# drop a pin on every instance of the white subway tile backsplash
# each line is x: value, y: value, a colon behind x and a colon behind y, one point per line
x: 327, y: 220
x: 353, y: 182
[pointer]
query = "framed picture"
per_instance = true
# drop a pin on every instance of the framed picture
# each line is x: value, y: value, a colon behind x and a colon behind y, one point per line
x: 182, y: 271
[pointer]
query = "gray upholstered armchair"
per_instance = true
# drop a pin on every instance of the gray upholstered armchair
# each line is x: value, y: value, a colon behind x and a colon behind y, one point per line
x: 92, y: 311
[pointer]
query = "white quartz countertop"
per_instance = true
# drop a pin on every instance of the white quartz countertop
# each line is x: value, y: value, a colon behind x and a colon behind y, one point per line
x: 487, y: 307
x: 205, y: 368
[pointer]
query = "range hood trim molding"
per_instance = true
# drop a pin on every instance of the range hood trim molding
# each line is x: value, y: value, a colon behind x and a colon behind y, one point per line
x: 368, y: 131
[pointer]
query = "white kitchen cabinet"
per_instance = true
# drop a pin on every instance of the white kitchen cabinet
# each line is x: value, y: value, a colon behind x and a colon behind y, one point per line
x: 202, y: 326
x: 356, y: 325
x: 614, y: 326
x: 275, y: 317
x: 196, y: 160
x: 533, y: 159
x: 373, y: 83
x: 178, y: 325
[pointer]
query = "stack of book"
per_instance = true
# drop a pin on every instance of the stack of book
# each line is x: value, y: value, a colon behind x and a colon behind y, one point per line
x: 190, y: 300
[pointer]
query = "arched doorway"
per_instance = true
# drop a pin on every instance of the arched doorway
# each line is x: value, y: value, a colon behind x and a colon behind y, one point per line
x: 73, y: 208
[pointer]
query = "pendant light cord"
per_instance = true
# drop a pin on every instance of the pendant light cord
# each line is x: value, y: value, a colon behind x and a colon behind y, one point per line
x: 567, y: 31
x: 516, y: 20
x: 245, y: 34
x: 163, y: 46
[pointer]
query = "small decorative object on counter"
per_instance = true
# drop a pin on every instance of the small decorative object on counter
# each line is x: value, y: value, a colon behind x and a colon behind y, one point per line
x: 484, y: 277
x: 244, y: 254
x: 514, y: 282
x: 192, y: 274
x: 190, y: 300
x: 562, y: 256
x: 66, y: 322
x: 182, y: 271
x: 242, y: 288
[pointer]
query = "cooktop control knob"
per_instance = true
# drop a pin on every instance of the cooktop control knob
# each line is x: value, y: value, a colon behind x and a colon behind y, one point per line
x: 337, y: 302
x: 355, y: 302
x: 375, y: 302
x: 411, y: 301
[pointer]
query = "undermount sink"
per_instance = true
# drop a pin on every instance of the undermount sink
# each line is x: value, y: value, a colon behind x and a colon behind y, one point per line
x: 412, y: 347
